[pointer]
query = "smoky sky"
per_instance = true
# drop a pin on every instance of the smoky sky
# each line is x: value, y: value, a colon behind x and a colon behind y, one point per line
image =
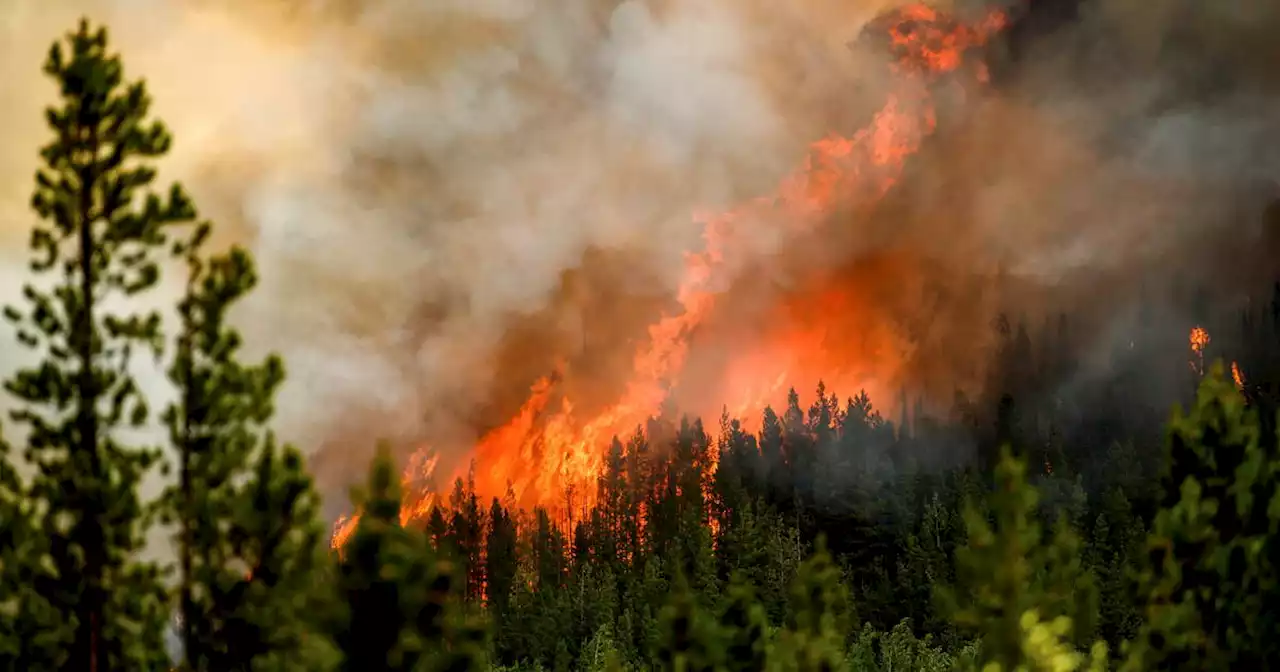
x: 446, y: 198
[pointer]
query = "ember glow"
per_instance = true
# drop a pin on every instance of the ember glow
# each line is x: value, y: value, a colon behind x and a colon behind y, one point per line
x: 548, y: 449
x: 1199, y: 339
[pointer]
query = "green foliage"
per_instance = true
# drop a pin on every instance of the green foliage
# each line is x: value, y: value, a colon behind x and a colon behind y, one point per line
x: 249, y: 538
x: 1212, y: 580
x: 402, y: 602
x: 1046, y: 647
x: 30, y: 628
x: 819, y: 618
x: 745, y: 629
x: 764, y: 550
x: 1008, y: 569
x: 690, y: 641
x: 256, y: 602
x: 899, y: 650
x: 601, y: 652
x: 99, y: 241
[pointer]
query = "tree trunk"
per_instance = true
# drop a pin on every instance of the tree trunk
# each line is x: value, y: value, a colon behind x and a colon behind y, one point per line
x: 89, y: 650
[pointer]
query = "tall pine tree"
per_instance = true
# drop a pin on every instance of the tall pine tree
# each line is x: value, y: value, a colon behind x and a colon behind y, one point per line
x: 1211, y: 584
x: 819, y: 617
x: 249, y: 537
x: 1010, y: 574
x: 402, y: 604
x: 96, y: 246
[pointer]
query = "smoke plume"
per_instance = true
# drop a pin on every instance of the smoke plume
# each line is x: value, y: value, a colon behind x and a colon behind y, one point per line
x: 449, y: 198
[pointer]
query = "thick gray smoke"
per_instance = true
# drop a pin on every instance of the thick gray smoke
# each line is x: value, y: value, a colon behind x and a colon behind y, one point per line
x: 446, y: 196
x: 415, y: 177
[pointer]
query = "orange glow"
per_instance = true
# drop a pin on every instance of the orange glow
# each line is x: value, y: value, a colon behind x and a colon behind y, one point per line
x: 548, y: 454
x: 1198, y: 339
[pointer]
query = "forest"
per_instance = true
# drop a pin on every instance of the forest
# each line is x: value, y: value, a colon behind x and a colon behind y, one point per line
x: 1034, y: 527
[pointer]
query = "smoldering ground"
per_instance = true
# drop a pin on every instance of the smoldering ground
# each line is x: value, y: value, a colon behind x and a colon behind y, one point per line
x: 446, y: 198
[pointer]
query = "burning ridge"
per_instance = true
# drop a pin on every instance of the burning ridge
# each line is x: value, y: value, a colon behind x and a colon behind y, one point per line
x: 547, y: 450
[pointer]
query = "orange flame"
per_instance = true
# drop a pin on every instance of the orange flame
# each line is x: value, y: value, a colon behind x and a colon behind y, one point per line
x: 1199, y: 339
x: 546, y: 454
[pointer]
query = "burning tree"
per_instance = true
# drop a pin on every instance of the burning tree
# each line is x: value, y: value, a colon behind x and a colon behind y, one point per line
x: 549, y: 447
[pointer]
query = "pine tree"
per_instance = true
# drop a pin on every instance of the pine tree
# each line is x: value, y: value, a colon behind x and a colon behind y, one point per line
x: 501, y: 567
x: 689, y: 536
x: 798, y: 451
x: 402, y: 603
x: 612, y: 489
x: 689, y: 639
x: 96, y: 247
x: 1009, y: 569
x: 1212, y: 580
x: 375, y: 581
x: 466, y: 531
x: 819, y: 616
x: 249, y: 536
x: 772, y: 458
x: 272, y: 614
x: 500, y: 558
x: 745, y: 629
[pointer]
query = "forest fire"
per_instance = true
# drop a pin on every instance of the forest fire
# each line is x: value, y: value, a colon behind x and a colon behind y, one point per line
x: 1198, y: 340
x: 548, y: 453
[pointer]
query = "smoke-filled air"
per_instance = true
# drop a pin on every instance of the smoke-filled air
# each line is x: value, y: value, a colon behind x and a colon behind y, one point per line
x: 639, y: 335
x: 501, y: 232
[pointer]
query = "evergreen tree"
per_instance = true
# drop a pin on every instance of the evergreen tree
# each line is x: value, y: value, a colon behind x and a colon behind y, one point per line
x: 438, y: 529
x: 1008, y: 570
x: 375, y: 580
x: 690, y: 641
x: 98, y: 243
x: 612, y: 491
x: 745, y: 629
x: 248, y: 536
x: 819, y: 618
x: 500, y: 558
x: 271, y: 616
x: 402, y: 610
x: 466, y: 534
x: 773, y: 460
x: 1213, y: 575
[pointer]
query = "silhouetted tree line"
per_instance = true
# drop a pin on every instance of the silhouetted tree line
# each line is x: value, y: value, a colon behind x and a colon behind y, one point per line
x: 1025, y: 531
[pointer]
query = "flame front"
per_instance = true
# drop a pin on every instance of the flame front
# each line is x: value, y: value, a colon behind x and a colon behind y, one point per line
x: 548, y: 455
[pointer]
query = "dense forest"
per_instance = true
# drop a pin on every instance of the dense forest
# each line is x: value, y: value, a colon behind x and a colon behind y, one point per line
x: 1035, y: 527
